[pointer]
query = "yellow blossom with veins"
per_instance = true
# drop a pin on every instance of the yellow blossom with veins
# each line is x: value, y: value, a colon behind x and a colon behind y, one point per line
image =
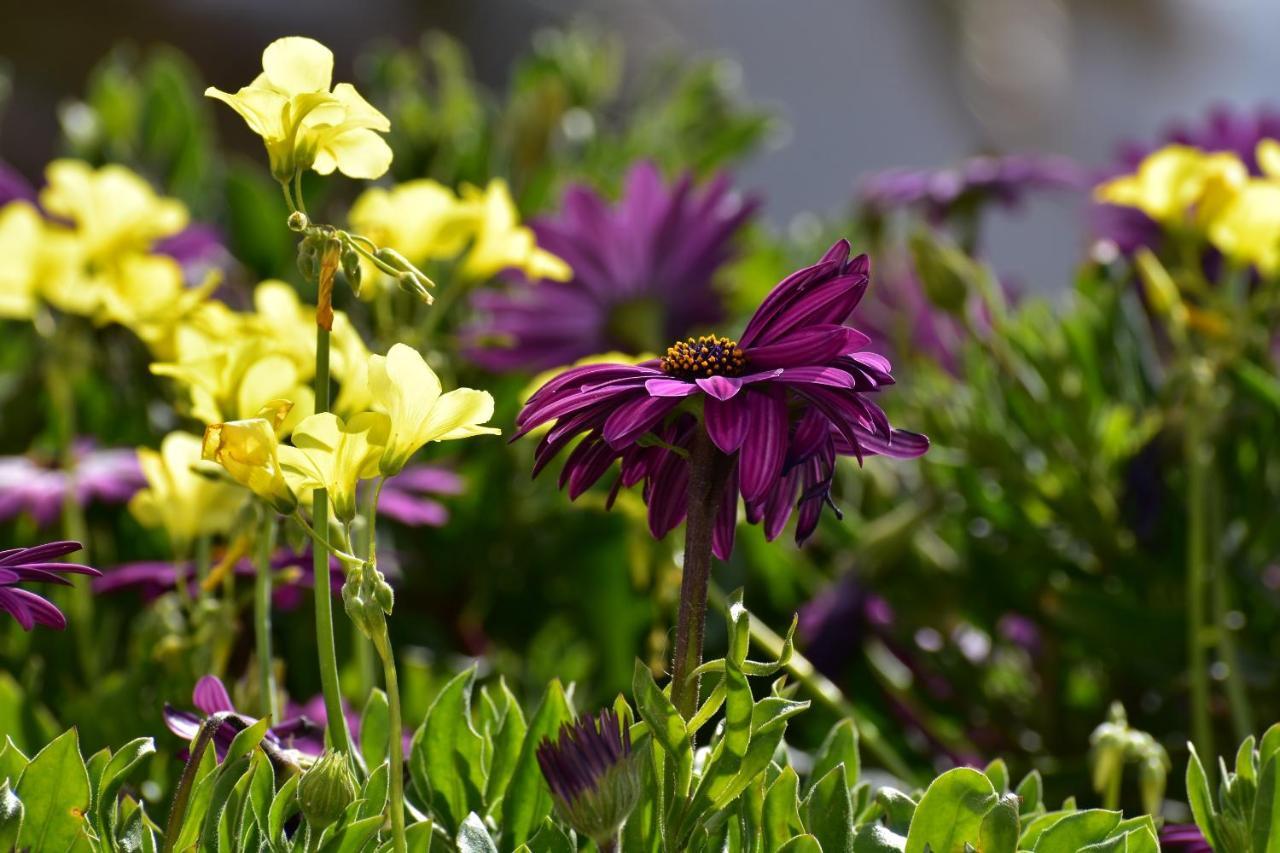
x: 21, y: 228
x: 304, y: 123
x: 1178, y: 185
x: 330, y: 454
x: 248, y: 450
x: 405, y: 388
x: 185, y: 503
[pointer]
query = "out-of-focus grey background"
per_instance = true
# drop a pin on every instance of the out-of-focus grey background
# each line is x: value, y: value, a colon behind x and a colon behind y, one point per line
x: 861, y: 84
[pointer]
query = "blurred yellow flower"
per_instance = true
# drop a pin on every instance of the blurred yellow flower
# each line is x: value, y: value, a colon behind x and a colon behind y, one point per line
x: 501, y: 242
x: 409, y: 392
x: 148, y: 295
x: 20, y: 232
x: 329, y: 454
x: 302, y: 122
x: 1178, y: 185
x: 247, y: 449
x: 180, y: 500
x: 111, y: 210
x: 1247, y: 230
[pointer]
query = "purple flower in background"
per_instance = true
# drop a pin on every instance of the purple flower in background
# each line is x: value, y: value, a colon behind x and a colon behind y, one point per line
x: 781, y: 402
x: 99, y: 476
x: 642, y: 275
x: 1222, y: 129
x: 406, y: 496
x: 1183, y: 838
x: 1004, y: 180
x: 153, y: 578
x: 14, y: 187
x: 36, y: 565
x: 198, y: 248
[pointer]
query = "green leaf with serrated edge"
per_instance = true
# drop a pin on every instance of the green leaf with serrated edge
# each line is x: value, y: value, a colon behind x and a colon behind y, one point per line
x: 1267, y: 747
x: 473, y: 837
x: 1077, y: 830
x: 507, y: 741
x: 374, y: 796
x: 12, y: 762
x: 898, y: 809
x: 223, y: 784
x: 999, y: 830
x: 998, y: 772
x: 550, y: 838
x: 112, y: 779
x: 283, y: 807
x: 874, y: 838
x: 802, y: 844
x: 782, y: 810
x: 528, y: 800
x: 1029, y: 789
x: 445, y: 760
x: 10, y: 817
x: 840, y: 746
x: 828, y: 812
x: 950, y: 813
x: 1245, y: 766
x: 1266, y: 810
x: 246, y: 739
x: 722, y: 768
x: 1199, y: 798
x: 666, y: 726
x: 374, y: 727
x: 54, y: 789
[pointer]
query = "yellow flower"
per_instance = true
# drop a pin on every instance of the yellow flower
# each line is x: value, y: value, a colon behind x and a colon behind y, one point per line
x: 247, y: 449
x: 112, y: 210
x: 302, y: 122
x: 1248, y: 228
x: 409, y: 392
x: 1178, y: 185
x: 20, y: 232
x: 185, y: 503
x: 501, y: 242
x: 148, y: 295
x: 329, y: 454
x: 423, y: 220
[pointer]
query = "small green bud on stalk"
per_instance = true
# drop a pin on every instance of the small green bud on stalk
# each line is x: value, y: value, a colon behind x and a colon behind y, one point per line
x: 298, y: 221
x: 326, y: 789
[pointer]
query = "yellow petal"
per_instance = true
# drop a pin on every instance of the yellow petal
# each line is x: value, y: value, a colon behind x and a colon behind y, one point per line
x: 359, y: 112
x: 20, y: 230
x: 296, y: 65
x: 458, y: 414
x: 358, y: 153
x: 261, y: 109
x: 1268, y: 155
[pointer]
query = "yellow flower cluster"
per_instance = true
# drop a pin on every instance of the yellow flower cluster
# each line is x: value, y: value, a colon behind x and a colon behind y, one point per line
x: 427, y: 221
x: 408, y: 409
x: 1211, y: 196
x: 93, y: 255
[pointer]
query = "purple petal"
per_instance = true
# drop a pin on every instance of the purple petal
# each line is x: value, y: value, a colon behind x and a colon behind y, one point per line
x: 765, y: 447
x: 726, y: 422
x: 719, y: 387
x: 210, y: 696
x: 669, y: 387
x: 636, y: 417
x: 726, y: 521
x: 812, y: 346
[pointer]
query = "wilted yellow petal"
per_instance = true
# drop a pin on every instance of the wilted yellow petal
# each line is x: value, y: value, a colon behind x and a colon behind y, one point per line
x: 247, y: 449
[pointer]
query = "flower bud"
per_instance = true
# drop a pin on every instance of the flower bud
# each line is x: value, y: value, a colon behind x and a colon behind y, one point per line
x: 298, y: 221
x: 593, y: 775
x: 352, y: 269
x: 326, y: 789
x: 385, y: 595
x: 415, y: 283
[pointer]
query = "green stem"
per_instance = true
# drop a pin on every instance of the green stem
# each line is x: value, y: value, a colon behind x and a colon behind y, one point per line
x: 178, y: 811
x: 262, y: 612
x: 1197, y: 461
x: 395, y: 743
x: 203, y: 558
x: 1237, y: 693
x: 339, y: 737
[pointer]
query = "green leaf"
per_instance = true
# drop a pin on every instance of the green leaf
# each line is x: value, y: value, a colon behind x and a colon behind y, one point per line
x: 1246, y: 768
x: 446, y: 759
x: 94, y: 766
x: 999, y: 831
x: 226, y: 780
x: 507, y: 741
x: 375, y: 791
x: 874, y: 838
x: 10, y: 817
x: 528, y: 800
x: 950, y: 812
x: 1266, y: 810
x: 719, y: 782
x: 473, y: 837
x: 782, y: 809
x: 246, y: 739
x: 261, y: 789
x: 1030, y: 790
x: 840, y: 746
x: 354, y: 836
x: 1036, y: 827
x: 998, y: 772
x: 113, y: 778
x: 1077, y: 830
x: 1144, y: 840
x: 12, y: 762
x: 54, y: 790
x: 1199, y: 798
x: 666, y: 726
x: 137, y: 835
x: 1267, y: 747
x: 801, y: 844
x: 550, y: 838
x: 828, y: 812
x: 283, y: 807
x: 898, y: 808
x: 374, y: 727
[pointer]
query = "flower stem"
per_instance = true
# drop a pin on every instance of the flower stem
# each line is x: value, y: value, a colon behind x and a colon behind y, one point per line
x: 395, y: 743
x: 178, y: 811
x: 339, y: 738
x: 262, y: 612
x: 1198, y: 463
x: 707, y: 473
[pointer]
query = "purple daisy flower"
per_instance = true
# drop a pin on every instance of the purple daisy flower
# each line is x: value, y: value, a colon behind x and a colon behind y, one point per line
x: 780, y: 403
x: 406, y: 496
x: 153, y: 578
x: 109, y: 476
x: 642, y: 274
x: 1222, y: 129
x: 37, y: 564
x: 1183, y: 838
x: 1005, y: 180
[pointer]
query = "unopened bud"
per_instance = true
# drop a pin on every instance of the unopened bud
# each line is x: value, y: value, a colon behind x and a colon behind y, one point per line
x: 352, y: 269
x: 298, y: 221
x: 326, y: 789
x: 385, y: 595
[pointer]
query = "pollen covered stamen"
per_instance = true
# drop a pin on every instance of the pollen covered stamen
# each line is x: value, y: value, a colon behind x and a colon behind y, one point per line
x: 708, y: 355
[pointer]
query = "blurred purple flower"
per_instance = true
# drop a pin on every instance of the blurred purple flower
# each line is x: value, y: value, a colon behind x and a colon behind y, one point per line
x: 14, y: 187
x: 1020, y: 631
x: 1223, y: 128
x: 938, y: 193
x: 105, y: 476
x: 642, y: 275
x: 152, y: 578
x: 405, y: 497
x: 198, y: 248
x: 36, y: 564
x: 782, y: 403
x: 1183, y: 838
